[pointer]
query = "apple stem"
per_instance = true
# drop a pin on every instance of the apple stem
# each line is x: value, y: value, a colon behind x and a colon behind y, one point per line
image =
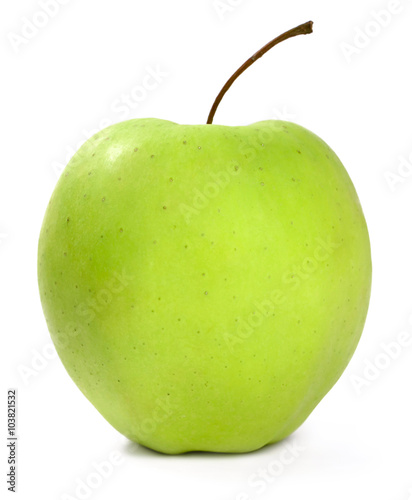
x: 302, y: 29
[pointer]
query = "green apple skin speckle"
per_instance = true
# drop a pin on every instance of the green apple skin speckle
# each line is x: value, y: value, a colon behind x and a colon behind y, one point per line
x: 205, y: 286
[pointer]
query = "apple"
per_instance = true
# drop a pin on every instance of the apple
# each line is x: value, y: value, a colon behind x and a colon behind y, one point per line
x: 205, y: 285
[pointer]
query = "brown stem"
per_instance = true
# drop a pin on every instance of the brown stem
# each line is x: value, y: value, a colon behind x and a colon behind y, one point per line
x: 302, y: 29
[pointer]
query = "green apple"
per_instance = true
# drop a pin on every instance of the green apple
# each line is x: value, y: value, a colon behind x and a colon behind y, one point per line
x: 205, y: 285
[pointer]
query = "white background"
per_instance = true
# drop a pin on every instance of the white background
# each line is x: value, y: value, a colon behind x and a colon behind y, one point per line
x: 68, y: 80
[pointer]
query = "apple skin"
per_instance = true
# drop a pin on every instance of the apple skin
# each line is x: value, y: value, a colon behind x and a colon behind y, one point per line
x: 205, y: 285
